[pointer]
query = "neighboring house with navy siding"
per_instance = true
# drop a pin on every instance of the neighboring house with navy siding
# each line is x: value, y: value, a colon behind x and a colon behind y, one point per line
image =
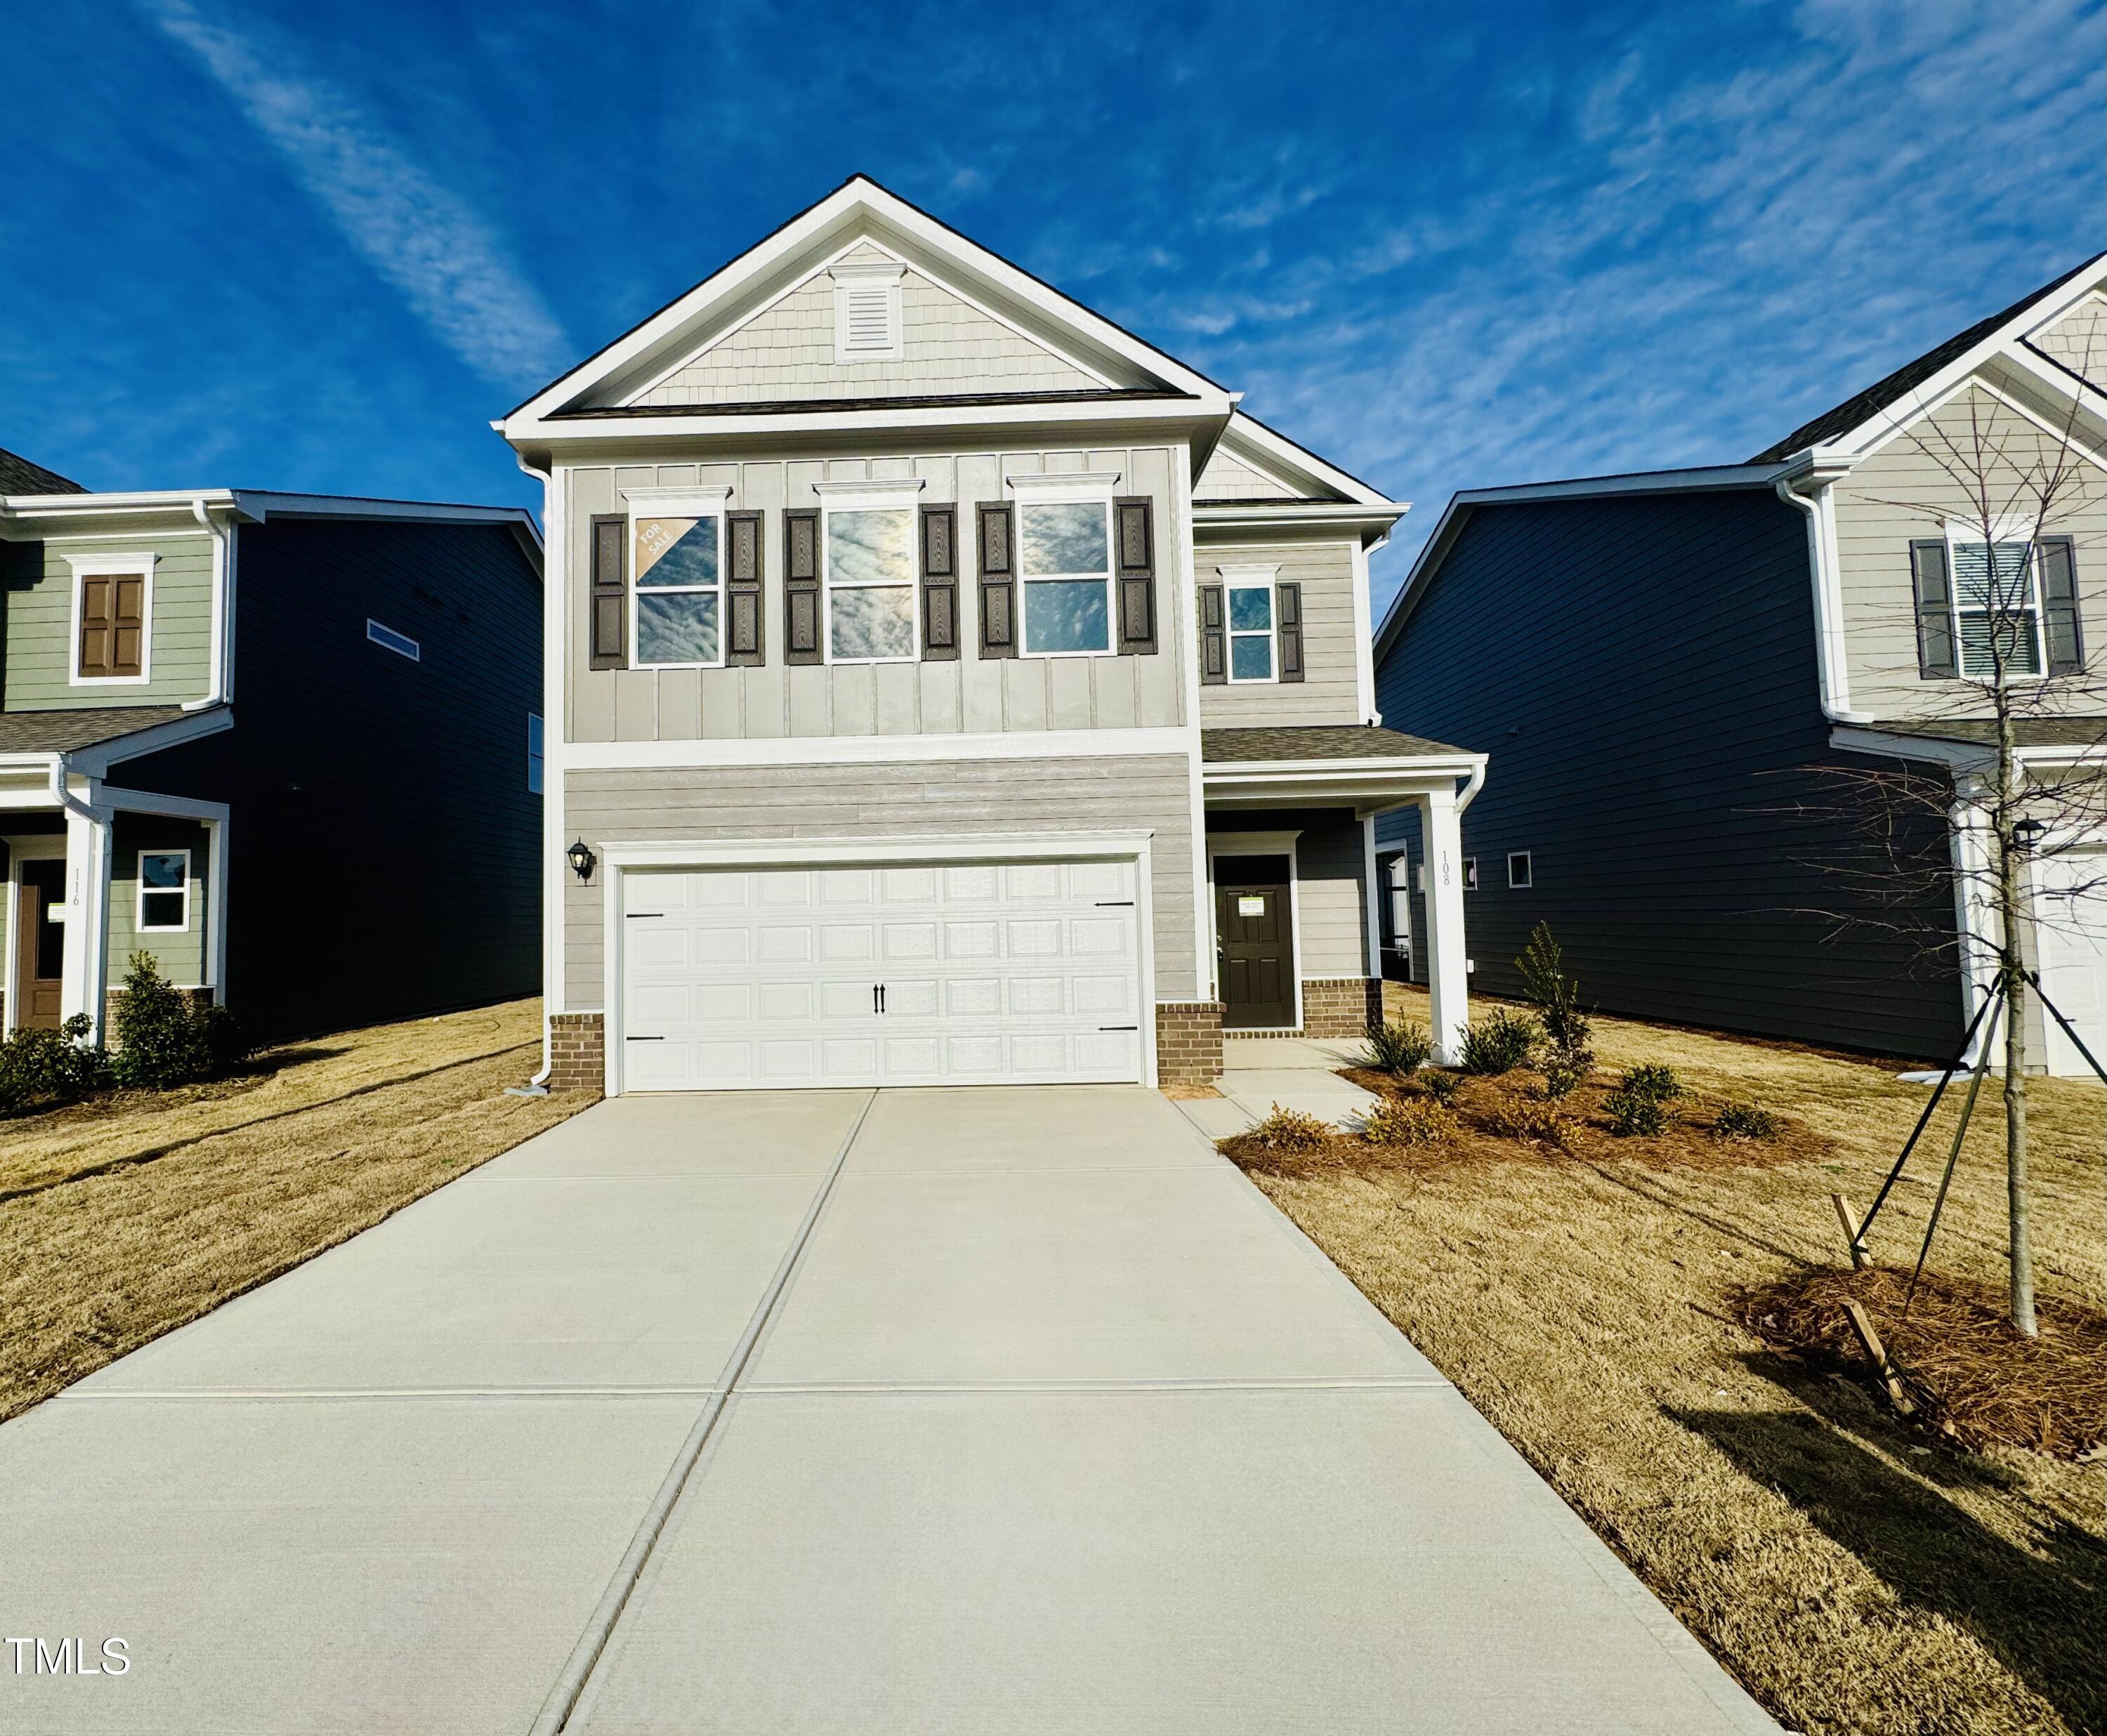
x: 1669, y: 669
x: 287, y: 744
x: 946, y: 686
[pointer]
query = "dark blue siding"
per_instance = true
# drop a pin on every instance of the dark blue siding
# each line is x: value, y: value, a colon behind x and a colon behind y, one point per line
x: 1643, y: 673
x: 384, y: 841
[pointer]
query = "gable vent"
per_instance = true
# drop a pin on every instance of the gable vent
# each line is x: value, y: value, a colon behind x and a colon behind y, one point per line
x: 867, y: 312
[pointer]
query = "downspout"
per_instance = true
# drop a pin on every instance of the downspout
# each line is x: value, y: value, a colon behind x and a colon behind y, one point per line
x: 1831, y: 669
x: 554, y: 602
x: 1465, y: 796
x: 223, y: 583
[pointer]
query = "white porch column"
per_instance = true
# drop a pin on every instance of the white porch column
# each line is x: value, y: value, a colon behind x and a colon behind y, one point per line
x: 215, y: 908
x: 1448, y: 970
x: 87, y: 950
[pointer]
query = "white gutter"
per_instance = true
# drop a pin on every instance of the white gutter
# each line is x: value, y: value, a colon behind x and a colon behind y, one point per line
x: 222, y: 580
x: 1824, y: 568
x: 1468, y: 793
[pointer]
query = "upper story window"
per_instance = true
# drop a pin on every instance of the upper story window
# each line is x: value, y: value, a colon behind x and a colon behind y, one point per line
x: 868, y: 543
x: 113, y: 600
x: 867, y: 315
x: 2005, y: 605
x: 1996, y: 603
x: 1064, y: 561
x: 1249, y: 592
x: 677, y: 558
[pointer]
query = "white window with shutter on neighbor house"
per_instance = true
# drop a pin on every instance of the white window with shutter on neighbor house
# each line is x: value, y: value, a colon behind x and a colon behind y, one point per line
x: 867, y: 322
x: 2011, y: 601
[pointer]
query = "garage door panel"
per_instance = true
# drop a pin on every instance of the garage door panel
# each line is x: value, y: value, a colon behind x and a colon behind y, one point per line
x: 977, y: 884
x: 912, y: 999
x: 1038, y: 938
x: 846, y: 887
x: 653, y: 947
x: 1104, y: 997
x: 664, y: 1004
x: 1035, y: 995
x: 788, y: 1061
x: 784, y: 945
x: 973, y: 997
x: 786, y: 1001
x: 779, y: 887
x: 1031, y: 882
x: 905, y: 942
x: 842, y: 941
x: 972, y: 940
x: 848, y: 997
x: 849, y: 1057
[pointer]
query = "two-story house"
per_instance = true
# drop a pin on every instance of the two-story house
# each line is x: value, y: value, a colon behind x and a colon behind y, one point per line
x: 948, y: 687
x: 287, y: 744
x: 1700, y: 686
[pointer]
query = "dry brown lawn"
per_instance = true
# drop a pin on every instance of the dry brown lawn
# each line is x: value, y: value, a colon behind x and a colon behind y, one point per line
x: 1853, y: 1577
x: 122, y: 1219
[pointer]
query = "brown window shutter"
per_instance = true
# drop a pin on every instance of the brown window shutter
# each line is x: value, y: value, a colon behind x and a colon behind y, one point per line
x: 1213, y: 637
x: 2066, y: 632
x: 1288, y: 613
x: 940, y: 584
x: 610, y: 590
x: 743, y: 639
x: 95, y: 626
x: 1937, y: 656
x: 998, y: 543
x: 1134, y: 524
x: 801, y: 586
x: 128, y: 627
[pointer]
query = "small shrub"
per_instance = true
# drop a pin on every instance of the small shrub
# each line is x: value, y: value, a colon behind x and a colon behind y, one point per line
x: 1638, y: 1104
x: 166, y: 1039
x: 1416, y: 1121
x: 1745, y: 1121
x: 1564, y: 1072
x: 1437, y: 1083
x: 1498, y: 1042
x: 1400, y: 1048
x: 1292, y: 1130
x: 1532, y: 1119
x: 42, y: 1067
x: 1556, y: 996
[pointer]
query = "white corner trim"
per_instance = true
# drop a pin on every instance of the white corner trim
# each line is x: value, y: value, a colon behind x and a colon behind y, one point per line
x: 138, y: 565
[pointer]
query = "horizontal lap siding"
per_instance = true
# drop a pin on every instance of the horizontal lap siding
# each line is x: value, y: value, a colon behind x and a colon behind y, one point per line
x: 180, y: 957
x: 384, y: 854
x: 1329, y: 691
x: 1330, y: 870
x: 1642, y: 672
x: 39, y: 628
x: 871, y: 803
x: 965, y: 695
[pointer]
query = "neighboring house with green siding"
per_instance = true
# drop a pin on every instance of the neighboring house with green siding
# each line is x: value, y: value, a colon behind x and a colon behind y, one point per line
x: 287, y: 744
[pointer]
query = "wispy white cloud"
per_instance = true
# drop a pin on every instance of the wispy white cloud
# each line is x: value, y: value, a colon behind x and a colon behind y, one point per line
x: 422, y: 238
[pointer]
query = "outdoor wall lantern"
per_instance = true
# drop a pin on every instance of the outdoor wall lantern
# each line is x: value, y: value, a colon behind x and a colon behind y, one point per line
x: 581, y: 858
x: 2026, y: 835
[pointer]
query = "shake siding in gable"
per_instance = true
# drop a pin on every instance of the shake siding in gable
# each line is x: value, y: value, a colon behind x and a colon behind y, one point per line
x: 1642, y: 673
x: 1329, y: 691
x: 40, y: 636
x: 870, y: 804
x: 1227, y: 478
x: 2078, y: 340
x: 967, y: 694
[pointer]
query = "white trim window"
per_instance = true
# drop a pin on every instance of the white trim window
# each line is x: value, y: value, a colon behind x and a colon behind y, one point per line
x: 1997, y: 595
x: 1064, y: 569
x: 536, y: 755
x: 867, y: 314
x: 1248, y: 603
x: 112, y: 620
x: 165, y: 892
x: 676, y: 562
x: 867, y: 544
x: 1520, y: 872
x: 1470, y: 873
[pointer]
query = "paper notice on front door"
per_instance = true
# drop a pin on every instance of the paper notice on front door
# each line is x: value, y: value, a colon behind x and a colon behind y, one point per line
x: 1249, y: 905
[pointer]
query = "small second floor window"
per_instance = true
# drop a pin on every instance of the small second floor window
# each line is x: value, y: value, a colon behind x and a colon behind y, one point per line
x: 870, y: 584
x: 111, y: 605
x: 1997, y: 605
x: 1064, y: 559
x: 1250, y: 630
x: 679, y: 599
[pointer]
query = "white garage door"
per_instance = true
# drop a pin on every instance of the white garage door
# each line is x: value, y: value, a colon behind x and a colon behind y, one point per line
x: 2070, y: 915
x: 942, y: 974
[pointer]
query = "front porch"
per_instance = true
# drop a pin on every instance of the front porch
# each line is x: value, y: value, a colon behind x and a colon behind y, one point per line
x: 1295, y: 905
x: 96, y: 872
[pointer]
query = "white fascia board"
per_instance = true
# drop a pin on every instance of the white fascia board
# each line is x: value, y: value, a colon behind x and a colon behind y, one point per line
x: 755, y: 272
x: 1370, y: 523
x: 260, y: 504
x: 175, y: 502
x: 1274, y: 448
x: 1959, y: 756
x: 871, y: 750
x: 95, y: 761
x: 1323, y: 771
x: 936, y: 847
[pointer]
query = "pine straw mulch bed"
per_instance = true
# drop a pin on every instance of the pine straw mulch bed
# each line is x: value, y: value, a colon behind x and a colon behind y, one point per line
x: 1973, y: 1379
x: 1503, y: 1118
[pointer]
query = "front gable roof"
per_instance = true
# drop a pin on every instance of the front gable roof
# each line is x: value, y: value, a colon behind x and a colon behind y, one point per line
x: 19, y: 475
x: 756, y: 337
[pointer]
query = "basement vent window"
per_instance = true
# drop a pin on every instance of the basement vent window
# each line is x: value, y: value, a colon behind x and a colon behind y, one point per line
x: 867, y: 322
x: 388, y: 640
x: 1518, y: 870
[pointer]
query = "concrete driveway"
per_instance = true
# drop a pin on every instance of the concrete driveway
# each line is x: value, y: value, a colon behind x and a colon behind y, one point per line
x: 972, y: 1410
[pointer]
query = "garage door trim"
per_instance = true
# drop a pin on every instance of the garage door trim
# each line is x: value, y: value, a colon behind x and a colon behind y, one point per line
x: 619, y: 858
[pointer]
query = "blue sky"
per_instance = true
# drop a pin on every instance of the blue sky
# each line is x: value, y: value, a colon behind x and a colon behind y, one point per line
x: 319, y: 246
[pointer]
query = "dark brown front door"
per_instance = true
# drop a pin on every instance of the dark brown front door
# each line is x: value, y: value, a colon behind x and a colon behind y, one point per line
x: 40, y: 944
x: 1255, y: 942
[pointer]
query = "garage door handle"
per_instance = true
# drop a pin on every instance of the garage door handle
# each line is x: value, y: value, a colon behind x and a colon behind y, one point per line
x: 1115, y: 904
x: 1119, y: 1027
x: 643, y: 1039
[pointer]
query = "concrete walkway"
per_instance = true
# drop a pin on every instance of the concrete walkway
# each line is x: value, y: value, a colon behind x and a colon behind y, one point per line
x: 1300, y: 1072
x: 967, y: 1410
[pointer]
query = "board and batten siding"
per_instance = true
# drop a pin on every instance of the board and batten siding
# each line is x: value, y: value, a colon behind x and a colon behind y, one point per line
x: 786, y: 353
x: 40, y: 649
x: 1902, y: 493
x: 1329, y: 691
x: 967, y: 695
x: 872, y: 804
x: 1642, y: 672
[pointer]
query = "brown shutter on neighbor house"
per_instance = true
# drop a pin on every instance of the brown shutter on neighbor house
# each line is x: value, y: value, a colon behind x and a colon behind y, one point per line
x: 1287, y: 612
x: 1134, y: 526
x: 1937, y: 656
x: 743, y: 639
x: 2066, y: 632
x: 610, y: 591
x: 800, y: 587
x: 940, y: 584
x: 1213, y: 637
x: 998, y: 564
x: 112, y: 624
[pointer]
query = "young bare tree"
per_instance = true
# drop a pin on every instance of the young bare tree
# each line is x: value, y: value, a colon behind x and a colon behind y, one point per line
x: 2007, y: 499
